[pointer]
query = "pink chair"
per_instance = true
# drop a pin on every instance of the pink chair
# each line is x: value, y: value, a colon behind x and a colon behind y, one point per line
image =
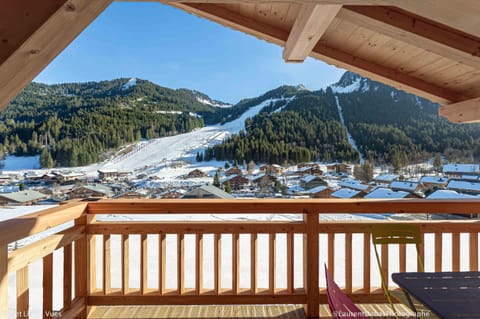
x: 340, y: 305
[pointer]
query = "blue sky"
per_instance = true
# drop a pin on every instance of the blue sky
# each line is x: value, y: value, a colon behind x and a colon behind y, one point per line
x: 178, y: 50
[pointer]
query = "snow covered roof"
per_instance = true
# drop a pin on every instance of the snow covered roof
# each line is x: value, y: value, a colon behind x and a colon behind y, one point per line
x: 354, y: 184
x: 441, y: 180
x: 386, y: 177
x: 23, y: 196
x: 345, y: 193
x: 470, y: 177
x: 106, y: 171
x: 309, y: 178
x: 461, y: 168
x: 464, y: 185
x: 317, y: 189
x: 408, y: 186
x: 448, y: 194
x: 386, y: 193
x: 99, y: 188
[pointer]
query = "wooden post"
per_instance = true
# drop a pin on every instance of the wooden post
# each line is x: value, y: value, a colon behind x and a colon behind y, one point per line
x: 3, y: 281
x: 48, y: 285
x: 22, y: 293
x: 311, y: 264
x: 82, y: 263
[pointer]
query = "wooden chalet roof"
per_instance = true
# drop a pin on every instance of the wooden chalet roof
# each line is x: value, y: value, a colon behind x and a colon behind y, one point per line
x: 427, y: 47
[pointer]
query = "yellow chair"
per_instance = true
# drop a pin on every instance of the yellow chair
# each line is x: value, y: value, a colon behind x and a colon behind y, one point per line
x: 384, y: 234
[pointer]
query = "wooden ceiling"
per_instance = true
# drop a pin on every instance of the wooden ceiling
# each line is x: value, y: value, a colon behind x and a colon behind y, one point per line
x: 427, y: 47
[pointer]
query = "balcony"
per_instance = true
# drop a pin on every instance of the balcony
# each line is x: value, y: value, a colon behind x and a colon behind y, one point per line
x: 131, y: 259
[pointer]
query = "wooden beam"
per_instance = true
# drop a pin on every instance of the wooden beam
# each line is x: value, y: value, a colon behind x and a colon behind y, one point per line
x: 311, y: 23
x: 462, y: 112
x: 33, y: 33
x: 425, y: 34
x: 334, y: 56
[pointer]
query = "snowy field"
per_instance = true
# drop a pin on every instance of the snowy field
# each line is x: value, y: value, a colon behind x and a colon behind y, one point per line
x: 262, y: 275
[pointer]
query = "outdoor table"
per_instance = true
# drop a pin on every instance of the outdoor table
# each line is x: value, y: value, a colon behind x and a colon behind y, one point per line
x: 447, y: 294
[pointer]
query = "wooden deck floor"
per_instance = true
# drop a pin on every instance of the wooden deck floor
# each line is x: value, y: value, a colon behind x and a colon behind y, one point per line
x: 227, y: 312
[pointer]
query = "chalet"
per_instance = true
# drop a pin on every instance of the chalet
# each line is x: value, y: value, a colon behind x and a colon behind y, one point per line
x: 320, y: 192
x: 21, y: 198
x: 471, y: 178
x: 196, y: 173
x: 432, y: 182
x: 382, y: 192
x: 355, y: 184
x: 339, y: 168
x: 448, y: 194
x: 5, y: 179
x: 107, y: 174
x: 124, y: 174
x: 457, y: 170
x: 9, y: 189
x: 33, y: 177
x: 233, y: 171
x: 411, y: 187
x: 208, y: 191
x: 309, y: 164
x: 464, y: 186
x: 170, y: 195
x: 236, y: 181
x: 271, y: 169
x: 135, y: 194
x: 347, y: 193
x: 65, y: 177
x: 89, y: 191
x: 386, y: 178
x: 264, y: 180
x: 312, y: 181
x: 310, y: 170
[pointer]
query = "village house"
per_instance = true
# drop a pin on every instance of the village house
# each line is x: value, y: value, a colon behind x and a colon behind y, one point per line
x: 355, y: 184
x: 434, y: 182
x: 21, y: 198
x: 271, y: 169
x: 348, y: 193
x: 310, y: 170
x: 124, y: 174
x: 339, y: 168
x: 135, y: 194
x: 264, y: 180
x: 107, y: 174
x: 196, y: 173
x: 170, y: 195
x: 321, y: 192
x: 5, y: 179
x: 385, y: 179
x: 464, y: 186
x: 312, y: 181
x: 233, y: 171
x: 411, y: 187
x: 89, y: 191
x: 207, y: 191
x: 384, y: 193
x: 65, y: 177
x: 457, y: 170
x: 236, y: 181
x: 33, y: 177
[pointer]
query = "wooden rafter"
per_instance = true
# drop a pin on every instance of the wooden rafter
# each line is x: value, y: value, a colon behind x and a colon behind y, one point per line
x: 335, y: 56
x: 462, y: 112
x: 414, y: 30
x: 37, y: 32
x: 312, y: 21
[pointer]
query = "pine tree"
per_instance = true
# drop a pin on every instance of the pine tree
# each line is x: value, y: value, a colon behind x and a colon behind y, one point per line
x: 216, y: 180
x: 46, y: 159
x: 228, y: 187
x: 437, y: 163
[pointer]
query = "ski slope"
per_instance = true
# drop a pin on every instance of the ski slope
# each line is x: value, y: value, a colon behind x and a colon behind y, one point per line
x: 350, y: 139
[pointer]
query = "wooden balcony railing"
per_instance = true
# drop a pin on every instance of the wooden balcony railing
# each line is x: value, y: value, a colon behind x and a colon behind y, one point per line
x: 293, y: 252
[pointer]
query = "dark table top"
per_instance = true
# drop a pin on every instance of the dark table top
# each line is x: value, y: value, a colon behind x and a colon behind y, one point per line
x: 447, y: 294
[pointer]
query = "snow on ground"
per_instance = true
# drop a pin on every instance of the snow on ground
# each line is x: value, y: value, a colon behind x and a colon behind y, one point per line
x: 355, y: 86
x: 131, y: 83
x: 214, y: 104
x: 351, y: 141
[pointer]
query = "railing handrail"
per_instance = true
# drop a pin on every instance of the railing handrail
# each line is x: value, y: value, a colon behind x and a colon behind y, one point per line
x: 279, y: 206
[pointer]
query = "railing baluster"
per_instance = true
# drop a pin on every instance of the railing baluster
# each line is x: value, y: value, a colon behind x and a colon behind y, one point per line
x: 125, y: 265
x: 47, y: 284
x: 67, y: 277
x: 348, y: 262
x: 311, y: 275
x: 253, y: 262
x: 143, y: 264
x: 199, y: 264
x: 421, y: 247
x: 271, y: 263
x: 402, y: 250
x: 92, y: 255
x: 3, y: 281
x: 473, y: 245
x: 162, y: 253
x: 82, y: 263
x: 235, y: 262
x: 384, y: 258
x: 366, y: 262
x: 180, y: 263
x: 331, y: 254
x: 290, y: 262
x: 438, y: 251
x: 456, y: 251
x: 217, y: 255
x: 22, y: 292
x: 106, y: 265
